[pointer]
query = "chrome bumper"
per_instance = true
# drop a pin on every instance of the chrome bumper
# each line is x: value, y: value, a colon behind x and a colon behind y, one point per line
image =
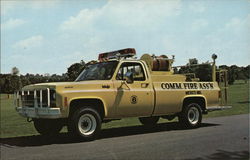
x: 29, y: 112
x: 218, y: 108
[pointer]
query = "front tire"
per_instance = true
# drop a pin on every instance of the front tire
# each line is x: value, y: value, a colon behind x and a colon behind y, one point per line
x: 191, y: 116
x: 48, y: 127
x: 85, y: 124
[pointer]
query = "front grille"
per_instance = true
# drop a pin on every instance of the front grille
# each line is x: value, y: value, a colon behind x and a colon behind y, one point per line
x: 28, y: 98
x: 36, y: 98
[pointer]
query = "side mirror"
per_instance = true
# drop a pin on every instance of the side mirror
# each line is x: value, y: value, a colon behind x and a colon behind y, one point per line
x: 129, y: 77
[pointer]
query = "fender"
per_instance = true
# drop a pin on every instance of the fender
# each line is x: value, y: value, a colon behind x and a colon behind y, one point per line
x: 87, y: 98
x: 194, y: 96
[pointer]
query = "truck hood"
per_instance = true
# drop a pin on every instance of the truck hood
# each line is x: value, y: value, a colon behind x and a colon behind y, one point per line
x: 95, y: 84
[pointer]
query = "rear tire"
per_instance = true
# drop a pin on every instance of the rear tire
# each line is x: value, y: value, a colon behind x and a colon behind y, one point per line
x: 85, y: 124
x: 191, y: 116
x: 149, y: 121
x: 48, y: 127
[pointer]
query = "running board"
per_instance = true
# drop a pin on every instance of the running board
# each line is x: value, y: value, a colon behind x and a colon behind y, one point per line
x: 218, y: 108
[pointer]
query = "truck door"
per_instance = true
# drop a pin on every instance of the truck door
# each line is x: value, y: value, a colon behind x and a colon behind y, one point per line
x: 137, y: 98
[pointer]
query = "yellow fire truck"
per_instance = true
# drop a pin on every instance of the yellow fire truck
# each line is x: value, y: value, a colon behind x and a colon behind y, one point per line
x: 119, y: 86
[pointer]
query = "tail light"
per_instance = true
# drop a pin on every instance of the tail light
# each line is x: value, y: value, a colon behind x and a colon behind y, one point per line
x: 219, y: 94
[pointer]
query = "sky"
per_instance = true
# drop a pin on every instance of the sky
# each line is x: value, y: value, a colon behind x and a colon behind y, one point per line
x: 48, y: 36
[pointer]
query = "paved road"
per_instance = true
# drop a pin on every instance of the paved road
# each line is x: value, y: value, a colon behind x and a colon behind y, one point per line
x: 218, y: 138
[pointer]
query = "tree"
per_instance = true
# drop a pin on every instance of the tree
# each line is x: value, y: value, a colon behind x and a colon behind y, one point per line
x: 15, y: 71
x: 75, y: 69
x: 16, y: 83
x: 204, y: 72
x: 246, y: 71
x: 192, y: 61
x: 10, y: 83
x: 24, y: 80
x: 236, y: 73
x: 232, y: 74
x: 2, y: 83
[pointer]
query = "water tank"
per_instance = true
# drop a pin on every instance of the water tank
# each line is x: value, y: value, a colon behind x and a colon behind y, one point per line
x: 156, y: 63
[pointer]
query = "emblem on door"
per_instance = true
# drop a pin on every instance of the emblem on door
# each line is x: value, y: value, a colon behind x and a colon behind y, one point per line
x: 133, y: 99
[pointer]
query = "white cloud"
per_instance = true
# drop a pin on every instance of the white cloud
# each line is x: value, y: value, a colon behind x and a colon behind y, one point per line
x: 124, y: 13
x: 12, y: 23
x: 142, y: 13
x: 117, y: 24
x: 8, y: 6
x: 74, y: 57
x: 199, y: 23
x: 236, y: 23
x: 197, y: 7
x: 84, y: 18
x: 31, y: 42
x: 231, y: 41
x: 40, y: 4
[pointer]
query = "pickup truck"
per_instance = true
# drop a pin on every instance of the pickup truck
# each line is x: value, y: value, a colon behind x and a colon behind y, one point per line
x: 115, y: 87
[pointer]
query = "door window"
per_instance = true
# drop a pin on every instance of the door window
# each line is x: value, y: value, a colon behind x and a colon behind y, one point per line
x: 135, y: 68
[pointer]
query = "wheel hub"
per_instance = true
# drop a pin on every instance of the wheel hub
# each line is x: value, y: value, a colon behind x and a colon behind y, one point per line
x: 87, y: 124
x: 193, y: 115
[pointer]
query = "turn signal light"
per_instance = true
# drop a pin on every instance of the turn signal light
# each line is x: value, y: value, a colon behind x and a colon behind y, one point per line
x: 65, y: 102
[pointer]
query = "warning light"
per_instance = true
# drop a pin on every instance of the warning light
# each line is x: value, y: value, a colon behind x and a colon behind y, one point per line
x: 128, y: 52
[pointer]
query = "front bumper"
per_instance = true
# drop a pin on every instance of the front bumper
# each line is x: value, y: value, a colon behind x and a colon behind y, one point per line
x: 50, y: 113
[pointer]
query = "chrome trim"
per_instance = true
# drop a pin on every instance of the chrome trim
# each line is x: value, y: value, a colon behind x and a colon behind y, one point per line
x: 35, y: 99
x: 218, y: 108
x: 39, y: 112
x: 48, y: 97
x: 38, y: 99
x: 41, y: 98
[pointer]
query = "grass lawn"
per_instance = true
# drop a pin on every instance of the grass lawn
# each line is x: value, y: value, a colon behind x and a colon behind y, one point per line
x: 238, y: 98
x: 13, y: 125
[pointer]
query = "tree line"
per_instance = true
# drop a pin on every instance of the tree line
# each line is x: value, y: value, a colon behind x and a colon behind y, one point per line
x: 9, y: 83
x: 203, y: 71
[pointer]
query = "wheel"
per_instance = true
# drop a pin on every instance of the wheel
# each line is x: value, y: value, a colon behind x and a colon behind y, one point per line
x: 149, y: 121
x: 191, y: 116
x: 85, y: 124
x: 48, y: 127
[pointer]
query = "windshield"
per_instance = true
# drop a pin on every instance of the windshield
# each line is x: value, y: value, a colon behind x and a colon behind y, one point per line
x: 98, y: 71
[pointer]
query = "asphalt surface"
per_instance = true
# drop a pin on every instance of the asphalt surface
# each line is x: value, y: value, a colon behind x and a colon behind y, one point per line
x: 218, y: 138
